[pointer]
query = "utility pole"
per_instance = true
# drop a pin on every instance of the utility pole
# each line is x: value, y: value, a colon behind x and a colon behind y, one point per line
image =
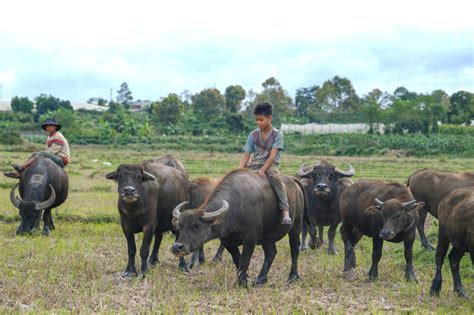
x: 1, y: 91
x: 110, y: 94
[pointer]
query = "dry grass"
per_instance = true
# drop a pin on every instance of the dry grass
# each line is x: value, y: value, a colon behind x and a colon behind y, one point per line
x: 78, y: 268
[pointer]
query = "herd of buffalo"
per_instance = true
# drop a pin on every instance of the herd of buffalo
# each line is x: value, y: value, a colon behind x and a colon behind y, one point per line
x: 240, y: 209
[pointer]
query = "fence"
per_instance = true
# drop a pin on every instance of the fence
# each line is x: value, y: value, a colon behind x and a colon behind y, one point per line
x: 330, y: 128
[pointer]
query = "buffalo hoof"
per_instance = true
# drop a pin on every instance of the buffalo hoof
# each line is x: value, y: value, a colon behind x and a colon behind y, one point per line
x: 332, y: 251
x: 373, y: 278
x: 460, y: 291
x: 303, y: 247
x: 259, y: 283
x: 153, y: 260
x: 428, y: 246
x: 293, y: 278
x: 184, y: 268
x: 411, y: 278
x: 127, y: 274
x: 46, y: 232
x: 243, y: 283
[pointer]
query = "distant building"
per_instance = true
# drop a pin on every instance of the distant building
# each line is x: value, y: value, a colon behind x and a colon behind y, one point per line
x: 139, y: 105
x: 6, y: 106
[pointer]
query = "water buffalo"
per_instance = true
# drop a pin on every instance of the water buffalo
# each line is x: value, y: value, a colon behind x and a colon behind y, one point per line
x: 148, y: 193
x: 431, y: 187
x: 43, y: 186
x: 381, y: 211
x: 243, y: 210
x: 324, y: 187
x: 456, y: 226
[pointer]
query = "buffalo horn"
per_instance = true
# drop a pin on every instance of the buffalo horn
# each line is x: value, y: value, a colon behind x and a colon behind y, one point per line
x: 14, y: 199
x: 378, y: 202
x: 304, y: 171
x: 211, y: 216
x: 149, y: 176
x: 48, y: 203
x: 409, y: 204
x: 177, y: 210
x: 348, y: 173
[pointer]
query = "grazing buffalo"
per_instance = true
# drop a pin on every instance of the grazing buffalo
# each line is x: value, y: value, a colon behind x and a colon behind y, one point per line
x: 431, y: 187
x: 324, y: 184
x: 43, y: 186
x: 381, y: 211
x: 243, y: 210
x: 199, y: 189
x: 148, y: 193
x: 456, y: 226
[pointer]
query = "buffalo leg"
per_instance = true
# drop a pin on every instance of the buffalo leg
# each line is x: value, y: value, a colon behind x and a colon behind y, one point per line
x: 331, y: 236
x: 313, y: 242
x: 130, y: 271
x: 320, y: 236
x: 148, y: 232
x: 47, y: 220
x: 153, y: 260
x: 270, y: 251
x: 441, y: 250
x: 244, y: 263
x: 408, y: 244
x: 349, y: 254
x: 218, y: 255
x: 304, y: 233
x: 454, y: 258
x: 234, y: 252
x: 294, y: 236
x: 197, y: 257
x: 421, y: 229
x: 377, y: 244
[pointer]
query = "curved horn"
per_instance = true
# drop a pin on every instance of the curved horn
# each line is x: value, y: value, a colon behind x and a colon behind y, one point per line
x: 211, y: 216
x: 148, y: 176
x: 177, y: 210
x: 378, y: 202
x: 16, y: 201
x: 349, y: 173
x: 48, y: 203
x: 303, y: 171
x: 409, y: 204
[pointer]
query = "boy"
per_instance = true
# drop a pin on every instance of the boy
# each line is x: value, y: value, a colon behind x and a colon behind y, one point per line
x: 57, y: 148
x: 262, y: 154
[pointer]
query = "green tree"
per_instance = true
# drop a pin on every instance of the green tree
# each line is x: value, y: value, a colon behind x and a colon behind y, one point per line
x: 403, y: 94
x: 337, y: 94
x: 462, y: 108
x: 124, y: 95
x: 169, y: 110
x: 274, y: 93
x: 208, y: 104
x: 45, y: 103
x: 305, y: 102
x: 21, y: 104
x: 234, y: 95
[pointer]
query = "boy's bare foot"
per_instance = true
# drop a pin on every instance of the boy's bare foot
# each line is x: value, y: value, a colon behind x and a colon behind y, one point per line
x: 286, y: 217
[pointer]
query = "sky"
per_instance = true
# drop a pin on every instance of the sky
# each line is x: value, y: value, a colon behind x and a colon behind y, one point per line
x: 76, y: 50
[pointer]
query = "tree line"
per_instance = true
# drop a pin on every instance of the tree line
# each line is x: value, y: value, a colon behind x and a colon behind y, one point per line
x: 211, y: 111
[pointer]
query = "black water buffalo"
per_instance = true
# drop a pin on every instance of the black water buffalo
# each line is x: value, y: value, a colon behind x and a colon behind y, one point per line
x: 148, y: 193
x: 324, y: 185
x: 243, y: 210
x: 43, y: 186
x: 381, y: 211
x: 456, y: 226
x: 431, y: 187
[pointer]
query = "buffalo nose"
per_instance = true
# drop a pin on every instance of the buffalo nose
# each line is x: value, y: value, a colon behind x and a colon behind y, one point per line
x: 129, y: 190
x: 387, y: 234
x: 177, y: 247
x: 321, y: 186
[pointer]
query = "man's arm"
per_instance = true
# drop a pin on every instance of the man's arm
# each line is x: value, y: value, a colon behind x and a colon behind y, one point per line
x: 244, y: 159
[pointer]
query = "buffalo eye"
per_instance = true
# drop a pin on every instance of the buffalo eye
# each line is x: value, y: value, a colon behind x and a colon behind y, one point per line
x: 397, y: 216
x: 197, y: 225
x: 139, y: 176
x: 119, y: 175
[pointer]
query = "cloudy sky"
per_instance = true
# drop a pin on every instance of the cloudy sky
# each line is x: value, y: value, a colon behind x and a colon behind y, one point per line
x: 81, y: 49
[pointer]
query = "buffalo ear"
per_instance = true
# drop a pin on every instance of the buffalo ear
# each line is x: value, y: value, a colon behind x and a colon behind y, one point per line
x: 372, y: 210
x: 112, y: 175
x: 417, y: 206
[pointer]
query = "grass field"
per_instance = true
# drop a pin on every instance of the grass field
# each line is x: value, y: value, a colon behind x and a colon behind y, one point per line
x: 78, y: 267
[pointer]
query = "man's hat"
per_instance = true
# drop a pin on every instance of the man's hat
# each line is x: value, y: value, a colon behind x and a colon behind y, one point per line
x: 51, y: 121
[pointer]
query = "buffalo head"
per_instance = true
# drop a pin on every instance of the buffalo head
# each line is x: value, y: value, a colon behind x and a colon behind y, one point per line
x: 324, y: 177
x: 130, y: 178
x: 31, y: 208
x: 195, y: 227
x: 397, y: 216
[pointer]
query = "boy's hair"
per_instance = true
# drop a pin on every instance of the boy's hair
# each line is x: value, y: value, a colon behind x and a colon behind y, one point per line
x: 265, y: 109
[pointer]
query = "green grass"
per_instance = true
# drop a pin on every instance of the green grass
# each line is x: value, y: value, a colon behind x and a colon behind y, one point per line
x: 78, y: 267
